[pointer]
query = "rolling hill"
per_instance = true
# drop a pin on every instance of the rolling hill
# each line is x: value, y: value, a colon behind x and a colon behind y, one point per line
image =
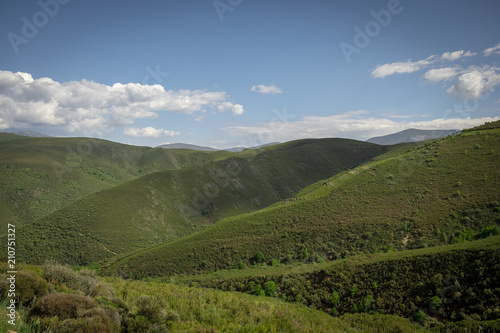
x: 41, y: 175
x: 413, y: 196
x: 167, y: 205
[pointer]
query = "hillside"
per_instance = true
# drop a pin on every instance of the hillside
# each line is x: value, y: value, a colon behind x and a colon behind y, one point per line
x: 399, y: 283
x: 58, y: 299
x: 429, y: 195
x: 167, y: 205
x: 41, y: 175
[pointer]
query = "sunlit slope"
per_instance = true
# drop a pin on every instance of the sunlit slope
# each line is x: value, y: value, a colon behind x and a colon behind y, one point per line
x: 167, y: 205
x: 412, y: 198
x: 40, y: 175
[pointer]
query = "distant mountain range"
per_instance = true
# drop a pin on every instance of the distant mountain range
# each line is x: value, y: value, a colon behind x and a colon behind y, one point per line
x: 185, y: 146
x: 410, y: 135
x: 28, y: 133
x: 202, y: 148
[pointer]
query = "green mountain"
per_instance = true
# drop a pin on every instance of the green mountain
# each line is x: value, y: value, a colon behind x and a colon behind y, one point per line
x: 413, y: 196
x: 41, y: 175
x: 167, y: 205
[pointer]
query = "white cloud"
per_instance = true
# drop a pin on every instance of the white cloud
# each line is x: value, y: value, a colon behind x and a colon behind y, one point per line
x: 355, y: 125
x: 148, y: 132
x: 475, y: 83
x: 450, y: 56
x: 401, y: 67
x: 492, y: 50
x: 441, y: 74
x: 412, y: 66
x: 272, y: 89
x: 236, y: 109
x: 77, y: 106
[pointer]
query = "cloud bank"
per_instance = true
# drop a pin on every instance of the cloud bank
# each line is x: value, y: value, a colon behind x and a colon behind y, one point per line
x: 79, y: 106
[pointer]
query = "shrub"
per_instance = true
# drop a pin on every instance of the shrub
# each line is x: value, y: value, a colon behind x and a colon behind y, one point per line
x: 270, y: 288
x: 434, y: 302
x: 335, y: 298
x: 239, y: 264
x: 258, y: 257
x: 354, y: 290
x: 63, y: 306
x: 151, y: 308
x: 420, y: 316
x: 28, y: 285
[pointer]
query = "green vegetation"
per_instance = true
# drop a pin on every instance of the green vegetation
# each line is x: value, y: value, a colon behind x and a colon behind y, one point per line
x: 402, y: 238
x: 395, y: 202
x: 163, y: 206
x: 139, y: 306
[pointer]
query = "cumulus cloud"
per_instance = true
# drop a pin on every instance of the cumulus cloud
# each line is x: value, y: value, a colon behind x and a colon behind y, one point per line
x: 492, y: 50
x: 450, y: 56
x: 441, y: 74
x: 148, y: 132
x: 263, y: 89
x: 356, y: 125
x: 475, y: 83
x: 83, y: 105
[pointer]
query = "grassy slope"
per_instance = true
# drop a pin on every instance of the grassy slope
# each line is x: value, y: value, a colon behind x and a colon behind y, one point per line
x: 166, y: 205
x: 416, y: 198
x: 41, y: 175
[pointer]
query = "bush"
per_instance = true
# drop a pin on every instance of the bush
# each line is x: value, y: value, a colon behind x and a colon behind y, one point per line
x: 258, y: 257
x: 270, y: 288
x: 420, y: 316
x: 239, y: 264
x: 84, y: 280
x: 28, y: 285
x: 151, y: 308
x: 63, y: 306
x: 434, y: 303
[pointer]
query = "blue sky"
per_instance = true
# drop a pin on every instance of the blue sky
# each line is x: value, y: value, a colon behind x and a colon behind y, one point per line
x: 230, y: 73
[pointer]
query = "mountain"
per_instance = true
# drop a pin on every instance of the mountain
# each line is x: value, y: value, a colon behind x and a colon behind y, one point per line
x: 164, y: 206
x: 28, y: 133
x: 410, y: 197
x: 41, y: 175
x: 185, y: 146
x: 410, y: 135
x: 238, y: 149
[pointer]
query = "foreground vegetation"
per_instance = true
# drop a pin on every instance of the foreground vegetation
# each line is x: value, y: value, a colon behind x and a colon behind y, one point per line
x: 67, y: 301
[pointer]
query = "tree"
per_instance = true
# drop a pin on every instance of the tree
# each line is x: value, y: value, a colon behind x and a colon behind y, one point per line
x: 258, y: 257
x: 270, y: 288
x: 434, y: 302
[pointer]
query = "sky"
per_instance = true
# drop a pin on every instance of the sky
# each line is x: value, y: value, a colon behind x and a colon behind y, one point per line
x: 232, y: 73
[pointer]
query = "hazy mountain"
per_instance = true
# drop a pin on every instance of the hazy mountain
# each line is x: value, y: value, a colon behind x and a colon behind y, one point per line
x: 29, y: 133
x: 410, y: 135
x: 238, y: 149
x: 186, y: 146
